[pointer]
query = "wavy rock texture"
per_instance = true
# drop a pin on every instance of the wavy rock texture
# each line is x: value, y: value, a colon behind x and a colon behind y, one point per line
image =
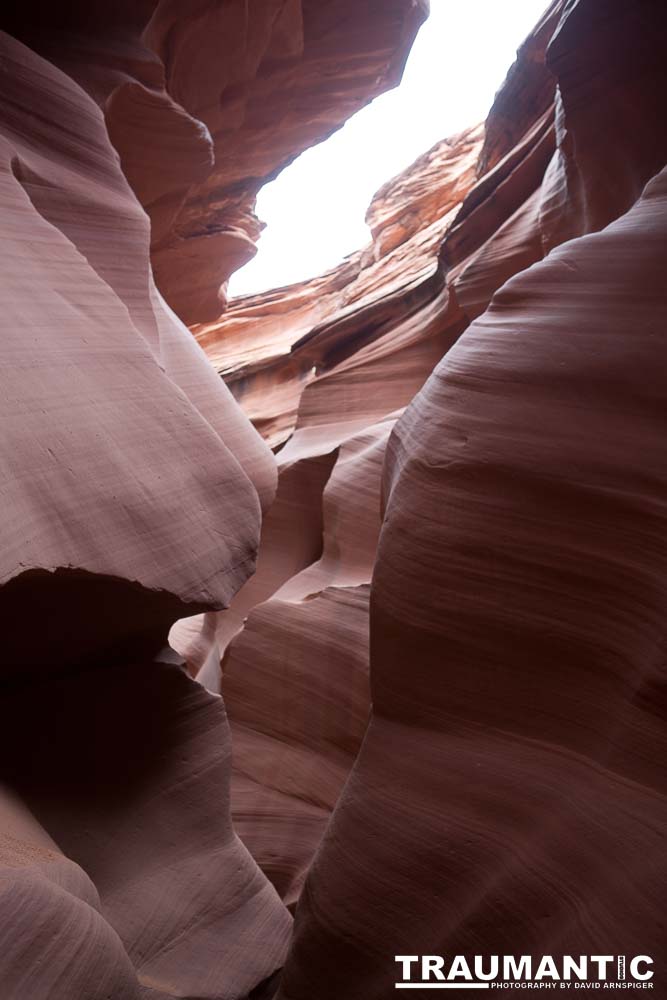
x: 132, y: 483
x: 205, y: 106
x: 148, y: 821
x: 509, y: 795
x: 113, y: 426
x: 351, y: 372
x: 444, y: 683
x: 269, y: 347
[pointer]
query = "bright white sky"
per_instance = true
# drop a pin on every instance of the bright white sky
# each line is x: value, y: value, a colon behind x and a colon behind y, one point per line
x: 315, y: 209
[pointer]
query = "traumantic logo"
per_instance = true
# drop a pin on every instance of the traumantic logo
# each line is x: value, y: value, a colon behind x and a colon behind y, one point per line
x: 524, y: 972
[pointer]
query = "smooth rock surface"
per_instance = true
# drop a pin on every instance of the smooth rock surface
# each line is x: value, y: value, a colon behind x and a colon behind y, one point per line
x: 133, y: 485
x: 435, y: 613
x: 509, y: 795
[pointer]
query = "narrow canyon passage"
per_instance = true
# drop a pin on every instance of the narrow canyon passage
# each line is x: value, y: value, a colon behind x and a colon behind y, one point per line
x: 334, y: 615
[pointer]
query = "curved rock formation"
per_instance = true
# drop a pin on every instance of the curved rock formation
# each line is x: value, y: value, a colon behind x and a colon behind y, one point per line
x: 352, y: 371
x: 269, y: 347
x: 206, y: 105
x: 442, y: 663
x: 508, y: 796
x: 110, y: 413
x: 520, y: 575
x: 113, y: 423
x: 133, y: 485
x: 148, y: 821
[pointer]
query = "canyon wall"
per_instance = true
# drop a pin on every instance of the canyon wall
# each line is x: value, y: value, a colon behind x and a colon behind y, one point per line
x: 206, y: 103
x: 133, y: 485
x: 429, y: 582
x: 509, y: 795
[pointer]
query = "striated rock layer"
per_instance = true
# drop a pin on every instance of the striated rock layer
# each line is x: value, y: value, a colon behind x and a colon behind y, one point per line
x: 133, y: 485
x: 294, y: 643
x: 269, y: 347
x: 208, y: 101
x: 509, y: 794
x: 435, y: 612
x: 114, y: 426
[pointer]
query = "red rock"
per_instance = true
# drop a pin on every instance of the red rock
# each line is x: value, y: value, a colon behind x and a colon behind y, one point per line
x: 515, y: 767
x: 133, y: 484
x: 205, y: 108
x: 51, y: 906
x: 130, y: 777
x: 509, y: 795
x: 299, y: 712
x: 269, y: 347
x: 111, y: 416
x: 504, y: 525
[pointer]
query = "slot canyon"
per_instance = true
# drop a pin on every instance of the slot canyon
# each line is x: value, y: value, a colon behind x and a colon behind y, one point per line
x: 351, y: 595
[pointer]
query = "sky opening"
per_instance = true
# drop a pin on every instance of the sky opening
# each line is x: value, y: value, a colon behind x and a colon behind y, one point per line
x: 314, y: 211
